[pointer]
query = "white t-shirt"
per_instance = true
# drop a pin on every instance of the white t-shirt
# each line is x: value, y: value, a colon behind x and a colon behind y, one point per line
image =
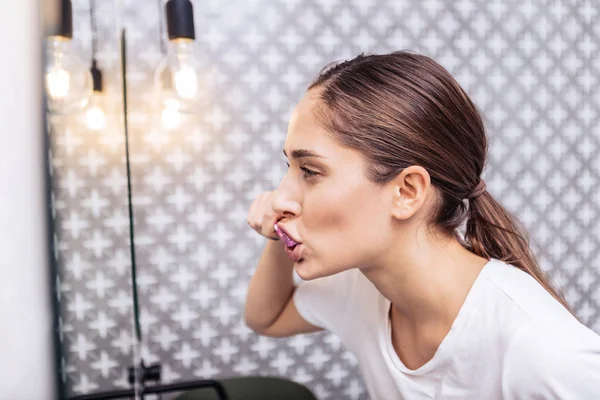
x: 511, y: 340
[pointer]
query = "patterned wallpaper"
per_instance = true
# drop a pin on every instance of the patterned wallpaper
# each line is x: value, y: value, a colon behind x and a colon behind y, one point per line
x: 531, y: 66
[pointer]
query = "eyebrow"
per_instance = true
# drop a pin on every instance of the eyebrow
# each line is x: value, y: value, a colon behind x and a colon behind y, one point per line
x: 300, y: 153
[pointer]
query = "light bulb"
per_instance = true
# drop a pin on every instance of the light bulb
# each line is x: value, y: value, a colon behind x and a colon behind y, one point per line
x: 184, y: 76
x: 185, y: 81
x: 95, y: 112
x: 68, y: 80
x: 95, y: 118
x: 170, y: 114
x: 57, y: 83
x: 183, y: 66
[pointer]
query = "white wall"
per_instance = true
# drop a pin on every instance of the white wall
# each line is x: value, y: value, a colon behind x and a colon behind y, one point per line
x: 26, y: 364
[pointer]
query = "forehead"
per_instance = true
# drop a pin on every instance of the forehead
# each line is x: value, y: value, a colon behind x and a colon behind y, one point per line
x: 303, y: 130
x: 305, y: 133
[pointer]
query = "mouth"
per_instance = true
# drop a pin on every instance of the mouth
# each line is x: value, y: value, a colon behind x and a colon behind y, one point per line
x: 293, y: 249
x: 285, y: 237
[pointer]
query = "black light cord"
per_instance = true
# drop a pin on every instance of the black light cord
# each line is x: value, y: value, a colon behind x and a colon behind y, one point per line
x: 96, y: 73
x: 93, y: 29
x: 136, y: 307
x: 138, y: 373
x: 161, y: 29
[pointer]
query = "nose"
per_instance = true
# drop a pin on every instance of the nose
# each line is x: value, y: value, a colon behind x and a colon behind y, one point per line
x: 285, y: 203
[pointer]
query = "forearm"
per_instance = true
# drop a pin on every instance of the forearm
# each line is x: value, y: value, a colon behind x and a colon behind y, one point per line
x: 270, y: 288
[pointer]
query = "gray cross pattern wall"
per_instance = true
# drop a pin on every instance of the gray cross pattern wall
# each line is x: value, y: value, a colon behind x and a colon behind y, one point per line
x: 532, y: 67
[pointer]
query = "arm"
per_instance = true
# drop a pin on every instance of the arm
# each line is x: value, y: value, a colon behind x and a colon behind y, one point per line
x: 270, y: 309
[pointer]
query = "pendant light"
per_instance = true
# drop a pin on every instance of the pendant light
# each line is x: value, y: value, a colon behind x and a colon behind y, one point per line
x: 183, y: 80
x: 67, y: 80
x: 182, y: 63
x: 95, y: 117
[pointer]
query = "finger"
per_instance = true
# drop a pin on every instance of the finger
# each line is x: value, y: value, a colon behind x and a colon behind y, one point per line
x: 254, y: 217
x: 251, y: 211
x: 269, y: 220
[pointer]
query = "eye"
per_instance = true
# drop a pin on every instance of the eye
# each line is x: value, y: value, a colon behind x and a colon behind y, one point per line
x: 308, y: 173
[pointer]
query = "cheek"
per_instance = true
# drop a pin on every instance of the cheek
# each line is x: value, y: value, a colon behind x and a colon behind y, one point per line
x: 345, y: 226
x: 328, y: 211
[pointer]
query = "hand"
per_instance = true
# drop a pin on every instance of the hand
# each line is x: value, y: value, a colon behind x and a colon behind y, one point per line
x: 261, y: 216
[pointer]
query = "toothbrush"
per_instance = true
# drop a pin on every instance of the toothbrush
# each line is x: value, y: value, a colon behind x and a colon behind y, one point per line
x: 288, y: 242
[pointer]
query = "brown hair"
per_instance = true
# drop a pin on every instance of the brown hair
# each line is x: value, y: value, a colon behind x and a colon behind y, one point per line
x: 404, y: 109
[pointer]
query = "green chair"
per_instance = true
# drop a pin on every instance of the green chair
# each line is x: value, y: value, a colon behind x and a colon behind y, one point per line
x: 253, y: 388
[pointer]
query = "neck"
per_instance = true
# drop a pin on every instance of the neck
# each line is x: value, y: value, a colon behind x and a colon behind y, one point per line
x: 426, y: 278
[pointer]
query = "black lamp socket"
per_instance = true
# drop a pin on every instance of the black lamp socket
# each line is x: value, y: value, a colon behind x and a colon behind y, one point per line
x: 180, y: 19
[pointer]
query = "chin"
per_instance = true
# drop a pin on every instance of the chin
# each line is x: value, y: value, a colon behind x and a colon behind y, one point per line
x: 309, y: 270
x: 304, y: 271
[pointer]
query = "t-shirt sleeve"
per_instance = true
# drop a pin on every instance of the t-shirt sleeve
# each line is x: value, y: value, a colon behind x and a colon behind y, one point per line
x: 554, y: 359
x: 324, y: 302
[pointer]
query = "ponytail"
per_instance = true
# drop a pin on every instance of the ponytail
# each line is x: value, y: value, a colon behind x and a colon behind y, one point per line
x: 492, y: 232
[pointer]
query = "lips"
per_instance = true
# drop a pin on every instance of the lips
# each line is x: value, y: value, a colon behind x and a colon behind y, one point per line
x: 289, y: 242
x: 293, y: 249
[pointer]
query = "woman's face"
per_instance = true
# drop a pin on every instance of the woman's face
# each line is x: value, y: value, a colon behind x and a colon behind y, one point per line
x: 325, y: 201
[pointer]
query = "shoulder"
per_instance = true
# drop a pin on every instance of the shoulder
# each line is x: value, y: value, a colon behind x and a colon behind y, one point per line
x: 521, y: 291
x: 552, y: 358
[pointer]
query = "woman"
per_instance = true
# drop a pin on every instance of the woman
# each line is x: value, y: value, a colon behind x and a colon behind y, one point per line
x: 385, y: 160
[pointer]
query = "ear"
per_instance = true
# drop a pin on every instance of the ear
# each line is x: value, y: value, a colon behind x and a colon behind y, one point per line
x: 410, y: 189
